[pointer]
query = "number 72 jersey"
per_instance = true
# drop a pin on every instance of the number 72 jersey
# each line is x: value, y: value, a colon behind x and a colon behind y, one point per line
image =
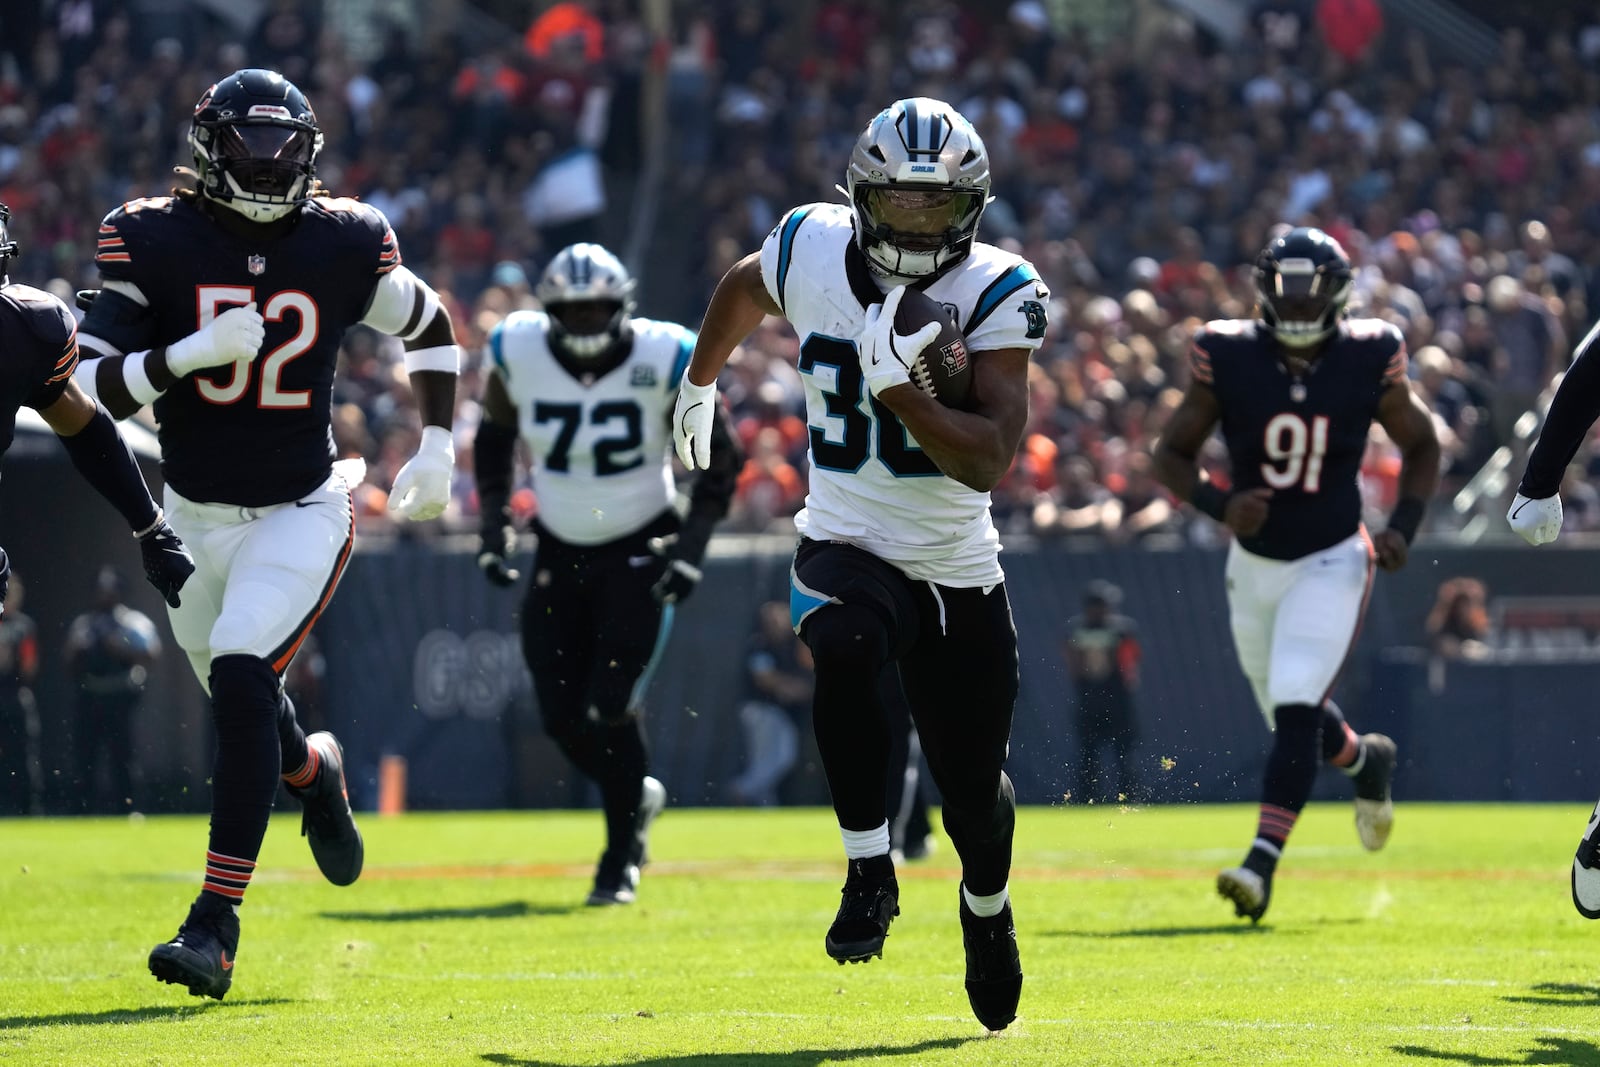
x: 1304, y: 438
x: 601, y: 451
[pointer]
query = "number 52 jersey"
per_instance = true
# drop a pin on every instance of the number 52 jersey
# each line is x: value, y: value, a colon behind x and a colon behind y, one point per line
x: 871, y: 485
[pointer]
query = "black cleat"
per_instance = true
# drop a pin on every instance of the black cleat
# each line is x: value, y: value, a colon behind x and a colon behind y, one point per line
x: 328, y: 824
x: 201, y: 956
x: 1374, y: 804
x: 1249, y: 890
x: 994, y: 967
x: 871, y: 901
x: 616, y: 881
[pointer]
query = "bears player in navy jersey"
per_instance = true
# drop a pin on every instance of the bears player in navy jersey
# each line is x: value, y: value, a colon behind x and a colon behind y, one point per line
x: 38, y: 355
x: 1296, y: 392
x: 589, y: 388
x: 1536, y: 515
x: 223, y: 305
x: 899, y: 560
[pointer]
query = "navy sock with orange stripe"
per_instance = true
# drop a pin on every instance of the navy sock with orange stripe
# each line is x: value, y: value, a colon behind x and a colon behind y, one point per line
x: 300, y: 763
x: 244, y: 776
x: 1291, y: 774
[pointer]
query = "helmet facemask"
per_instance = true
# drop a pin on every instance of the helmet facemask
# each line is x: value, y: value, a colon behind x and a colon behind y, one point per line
x: 262, y: 170
x: 1300, y: 301
x: 586, y: 328
x: 912, y: 231
x: 8, y: 248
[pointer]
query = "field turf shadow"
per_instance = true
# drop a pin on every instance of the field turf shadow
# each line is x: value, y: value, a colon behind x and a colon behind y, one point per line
x: 810, y: 1057
x: 1560, y: 994
x: 124, y: 1016
x: 512, y: 909
x: 1552, y: 1051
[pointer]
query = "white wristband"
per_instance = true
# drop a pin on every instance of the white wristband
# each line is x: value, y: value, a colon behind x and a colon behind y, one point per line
x: 137, y: 379
x: 703, y: 393
x: 445, y: 358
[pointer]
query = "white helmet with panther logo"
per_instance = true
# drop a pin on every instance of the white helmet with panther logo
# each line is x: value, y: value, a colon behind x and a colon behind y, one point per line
x: 918, y: 182
x: 588, y: 294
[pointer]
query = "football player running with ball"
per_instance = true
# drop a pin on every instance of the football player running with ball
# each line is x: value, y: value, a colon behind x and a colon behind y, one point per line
x: 898, y: 559
x: 1535, y: 513
x: 224, y: 306
x: 590, y: 389
x: 1296, y: 392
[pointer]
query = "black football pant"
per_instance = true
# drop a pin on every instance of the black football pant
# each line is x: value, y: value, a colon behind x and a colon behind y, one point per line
x: 21, y: 777
x: 957, y: 655
x: 589, y: 630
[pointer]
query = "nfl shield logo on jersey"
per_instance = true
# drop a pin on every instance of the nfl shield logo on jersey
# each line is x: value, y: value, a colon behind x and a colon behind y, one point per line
x: 256, y: 264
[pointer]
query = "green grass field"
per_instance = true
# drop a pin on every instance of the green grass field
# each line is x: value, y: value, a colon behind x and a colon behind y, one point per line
x: 465, y: 942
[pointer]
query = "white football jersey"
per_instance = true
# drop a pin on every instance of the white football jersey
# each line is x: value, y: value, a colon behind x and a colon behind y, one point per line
x: 601, y: 451
x: 871, y: 485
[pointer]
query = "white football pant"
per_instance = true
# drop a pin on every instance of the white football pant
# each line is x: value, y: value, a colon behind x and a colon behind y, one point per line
x: 262, y: 575
x: 1295, y: 621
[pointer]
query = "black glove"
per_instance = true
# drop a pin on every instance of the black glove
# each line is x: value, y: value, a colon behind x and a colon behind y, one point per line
x: 680, y: 576
x: 167, y: 563
x: 494, y: 557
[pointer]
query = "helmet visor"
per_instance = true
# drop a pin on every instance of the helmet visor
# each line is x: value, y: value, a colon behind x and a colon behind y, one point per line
x: 1304, y: 295
x: 920, y: 220
x: 265, y: 158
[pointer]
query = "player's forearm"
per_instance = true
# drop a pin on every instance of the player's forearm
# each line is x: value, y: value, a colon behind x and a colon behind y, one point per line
x: 1572, y: 413
x: 1178, y: 472
x: 436, y: 396
x: 107, y: 464
x: 731, y: 317
x: 973, y: 449
x: 126, y: 383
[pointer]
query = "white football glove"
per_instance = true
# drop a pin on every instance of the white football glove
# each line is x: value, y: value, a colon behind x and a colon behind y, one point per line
x: 691, y: 423
x: 231, y: 337
x: 422, y: 488
x: 1538, y: 521
x: 886, y: 356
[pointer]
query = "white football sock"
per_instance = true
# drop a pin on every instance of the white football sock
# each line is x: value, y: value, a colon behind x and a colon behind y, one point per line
x: 986, y: 907
x: 864, y: 844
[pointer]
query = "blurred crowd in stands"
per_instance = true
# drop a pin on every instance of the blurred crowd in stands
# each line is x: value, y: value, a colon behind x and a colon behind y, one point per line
x: 1139, y: 162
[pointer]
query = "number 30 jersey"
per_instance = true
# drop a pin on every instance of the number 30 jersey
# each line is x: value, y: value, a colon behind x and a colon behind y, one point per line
x: 1303, y: 438
x: 601, y: 449
x: 870, y: 484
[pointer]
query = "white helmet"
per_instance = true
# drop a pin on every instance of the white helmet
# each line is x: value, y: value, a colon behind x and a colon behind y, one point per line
x: 918, y: 182
x: 588, y: 294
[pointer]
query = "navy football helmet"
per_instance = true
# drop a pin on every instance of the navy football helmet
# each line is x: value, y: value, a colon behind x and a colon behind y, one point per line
x: 8, y: 247
x: 1303, y: 280
x: 255, y: 141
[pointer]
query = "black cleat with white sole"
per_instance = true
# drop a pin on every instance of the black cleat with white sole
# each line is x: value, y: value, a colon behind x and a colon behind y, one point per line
x: 1586, y: 869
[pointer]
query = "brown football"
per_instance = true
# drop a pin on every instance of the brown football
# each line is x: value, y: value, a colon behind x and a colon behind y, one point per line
x: 944, y: 369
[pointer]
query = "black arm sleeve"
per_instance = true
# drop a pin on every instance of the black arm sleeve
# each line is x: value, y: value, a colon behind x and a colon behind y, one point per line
x: 1572, y: 412
x: 712, y: 491
x: 106, y: 462
x: 491, y: 466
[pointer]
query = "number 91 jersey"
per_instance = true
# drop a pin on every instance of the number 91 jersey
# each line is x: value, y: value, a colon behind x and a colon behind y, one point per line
x: 601, y: 455
x: 870, y: 483
x: 1302, y: 437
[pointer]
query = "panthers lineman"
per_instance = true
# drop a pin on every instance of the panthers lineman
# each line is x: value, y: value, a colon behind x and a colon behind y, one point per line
x: 255, y: 260
x: 1535, y: 513
x: 589, y: 388
x: 39, y: 346
x: 898, y: 559
x: 1296, y: 392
